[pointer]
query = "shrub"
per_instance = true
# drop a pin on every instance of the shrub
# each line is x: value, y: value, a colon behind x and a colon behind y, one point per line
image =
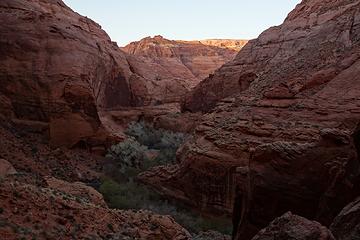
x: 128, y: 154
x: 129, y: 157
x: 166, y: 142
x: 144, y: 134
x: 127, y: 195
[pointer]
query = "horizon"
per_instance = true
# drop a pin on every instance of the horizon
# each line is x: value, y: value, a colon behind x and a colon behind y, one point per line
x: 137, y: 20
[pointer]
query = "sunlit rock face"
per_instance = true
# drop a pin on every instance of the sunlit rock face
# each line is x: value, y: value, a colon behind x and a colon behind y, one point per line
x: 286, y: 137
x: 173, y: 68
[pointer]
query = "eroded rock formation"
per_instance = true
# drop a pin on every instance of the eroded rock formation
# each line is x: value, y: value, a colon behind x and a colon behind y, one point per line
x: 57, y: 67
x: 316, y: 42
x: 294, y: 227
x: 190, y: 60
x: 172, y: 68
x: 282, y: 129
x: 225, y: 43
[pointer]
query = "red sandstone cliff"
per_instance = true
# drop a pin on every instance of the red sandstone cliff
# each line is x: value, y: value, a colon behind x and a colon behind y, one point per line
x: 57, y: 68
x: 197, y: 59
x: 286, y: 136
x: 172, y: 68
x: 292, y: 60
x: 225, y: 43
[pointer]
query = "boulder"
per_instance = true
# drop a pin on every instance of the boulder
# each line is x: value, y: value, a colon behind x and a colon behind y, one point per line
x: 346, y: 225
x: 6, y: 168
x: 293, y: 227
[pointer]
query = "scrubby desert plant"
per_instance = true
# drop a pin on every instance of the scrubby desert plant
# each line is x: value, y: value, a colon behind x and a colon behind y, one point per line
x: 166, y: 142
x: 128, y: 154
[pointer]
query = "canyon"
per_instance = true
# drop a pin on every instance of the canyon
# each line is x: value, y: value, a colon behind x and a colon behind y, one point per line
x: 273, y: 125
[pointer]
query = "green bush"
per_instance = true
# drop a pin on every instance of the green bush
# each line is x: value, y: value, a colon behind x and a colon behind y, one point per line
x: 128, y: 154
x: 127, y: 195
x: 166, y: 142
x: 144, y: 134
x: 129, y: 157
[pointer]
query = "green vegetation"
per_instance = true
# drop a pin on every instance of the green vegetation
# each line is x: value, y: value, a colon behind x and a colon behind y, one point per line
x: 131, y: 195
x: 158, y: 139
x: 128, y: 154
x: 131, y: 157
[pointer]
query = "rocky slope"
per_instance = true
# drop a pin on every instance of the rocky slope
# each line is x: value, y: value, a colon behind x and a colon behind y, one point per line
x: 286, y: 137
x: 43, y: 195
x: 32, y: 208
x: 173, y: 68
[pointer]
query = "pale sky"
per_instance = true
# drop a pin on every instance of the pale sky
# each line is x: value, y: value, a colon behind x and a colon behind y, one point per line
x: 131, y: 20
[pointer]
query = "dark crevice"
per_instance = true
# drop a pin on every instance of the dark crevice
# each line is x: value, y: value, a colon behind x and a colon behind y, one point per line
x: 355, y: 167
x: 237, y: 212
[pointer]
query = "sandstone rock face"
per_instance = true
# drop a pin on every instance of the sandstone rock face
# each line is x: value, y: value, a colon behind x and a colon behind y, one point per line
x: 293, y: 227
x: 315, y: 44
x: 197, y: 59
x: 289, y: 140
x: 58, y: 67
x: 172, y: 68
x: 225, y: 43
x: 346, y: 225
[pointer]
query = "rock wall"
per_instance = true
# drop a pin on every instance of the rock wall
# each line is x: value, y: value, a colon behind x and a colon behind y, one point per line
x: 289, y: 139
x: 172, y: 68
x: 58, y: 67
x: 316, y: 42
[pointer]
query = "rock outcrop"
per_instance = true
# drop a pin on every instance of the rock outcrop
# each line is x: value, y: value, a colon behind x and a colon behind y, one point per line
x: 346, y: 225
x: 286, y: 137
x: 293, y: 227
x: 315, y: 44
x: 34, y: 212
x: 190, y: 60
x: 172, y: 68
x: 225, y: 43
x: 57, y: 67
x: 76, y: 189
